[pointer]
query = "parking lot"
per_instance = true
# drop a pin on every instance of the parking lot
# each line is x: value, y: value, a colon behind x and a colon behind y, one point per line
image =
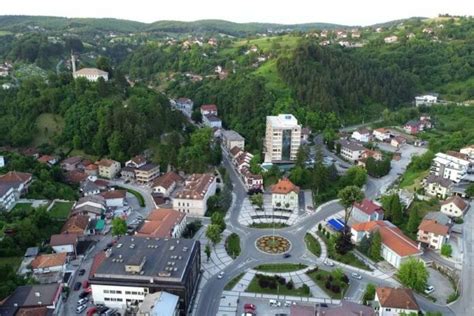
x: 441, y: 284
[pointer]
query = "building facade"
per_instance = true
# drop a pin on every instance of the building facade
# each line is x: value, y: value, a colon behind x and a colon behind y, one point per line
x: 282, y: 138
x: 449, y: 167
x: 108, y: 168
x: 192, y: 199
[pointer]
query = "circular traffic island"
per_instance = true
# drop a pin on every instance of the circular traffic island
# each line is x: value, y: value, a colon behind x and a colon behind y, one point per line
x: 273, y: 244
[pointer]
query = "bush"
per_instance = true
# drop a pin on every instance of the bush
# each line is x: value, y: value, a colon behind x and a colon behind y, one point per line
x: 327, y: 284
x: 446, y: 250
x: 320, y: 226
x: 335, y: 288
x: 290, y: 285
x: 305, y: 289
x: 345, y: 279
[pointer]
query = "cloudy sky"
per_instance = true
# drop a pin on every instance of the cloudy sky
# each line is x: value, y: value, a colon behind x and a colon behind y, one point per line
x: 349, y: 12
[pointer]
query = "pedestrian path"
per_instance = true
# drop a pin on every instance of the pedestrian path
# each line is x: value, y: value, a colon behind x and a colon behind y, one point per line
x: 249, y: 214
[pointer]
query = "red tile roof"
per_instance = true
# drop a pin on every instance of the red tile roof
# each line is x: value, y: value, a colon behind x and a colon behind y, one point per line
x: 196, y: 187
x: 47, y: 261
x: 368, y: 207
x: 167, y: 180
x: 106, y: 163
x: 76, y: 225
x: 14, y: 176
x: 397, y: 298
x: 115, y: 194
x: 45, y: 159
x: 75, y: 176
x: 63, y: 239
x: 209, y: 107
x: 160, y: 223
x: 284, y: 186
x: 432, y: 226
x: 459, y: 202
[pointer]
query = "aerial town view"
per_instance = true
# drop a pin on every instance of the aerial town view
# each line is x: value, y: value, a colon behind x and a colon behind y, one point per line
x: 240, y: 158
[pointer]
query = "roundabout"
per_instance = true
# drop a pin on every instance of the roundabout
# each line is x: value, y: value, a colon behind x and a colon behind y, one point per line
x: 273, y: 245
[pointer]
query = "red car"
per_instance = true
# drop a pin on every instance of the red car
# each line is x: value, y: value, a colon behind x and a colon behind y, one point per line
x: 85, y: 284
x: 91, y: 311
x: 250, y: 306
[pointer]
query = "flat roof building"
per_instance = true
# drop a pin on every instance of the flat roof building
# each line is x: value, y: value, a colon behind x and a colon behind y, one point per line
x: 282, y: 138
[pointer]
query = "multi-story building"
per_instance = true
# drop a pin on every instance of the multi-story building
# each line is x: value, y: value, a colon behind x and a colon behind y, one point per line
x: 450, y: 167
x: 395, y: 301
x: 12, y: 186
x: 212, y: 121
x: 92, y: 206
x: 166, y: 183
x: 439, y: 187
x: 454, y: 206
x: 208, y: 109
x: 362, y: 135
x: 163, y: 223
x: 285, y: 195
x: 108, y: 168
x: 147, y: 173
x: 192, y: 199
x: 350, y: 150
x: 231, y: 139
x: 396, y: 247
x: 381, y: 134
x: 426, y: 100
x: 469, y: 152
x: 432, y: 233
x: 282, y: 138
x: 137, y: 266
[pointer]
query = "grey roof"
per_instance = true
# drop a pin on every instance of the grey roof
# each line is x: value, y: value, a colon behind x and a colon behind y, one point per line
x: 32, y: 252
x: 30, y: 296
x: 232, y: 135
x: 347, y: 308
x: 439, y: 180
x: 212, y: 118
x: 441, y: 218
x: 5, y: 187
x: 351, y: 145
x: 148, y: 167
x: 89, y: 186
x: 165, y: 259
x: 91, y: 198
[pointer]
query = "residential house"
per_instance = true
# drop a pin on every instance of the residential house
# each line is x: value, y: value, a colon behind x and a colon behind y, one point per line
x: 93, y: 206
x: 192, y: 199
x: 64, y: 243
x: 76, y: 177
x: 208, y: 109
x: 159, y: 303
x: 396, y: 247
x: 412, y: 127
x: 432, y: 233
x: 166, y: 183
x: 136, y: 162
x: 71, y: 163
x: 391, y: 39
x: 89, y: 187
x: 91, y: 170
x: 231, y: 139
x: 242, y: 161
x: 439, y: 217
x: 454, y: 206
x: 305, y: 133
x: 117, y: 276
x: 450, y: 166
x: 381, y: 134
x: 350, y: 150
x: 285, y: 195
x: 8, y: 196
x: 212, y: 121
x: 426, y: 100
x: 55, y: 262
x: 37, y: 299
x: 377, y: 155
x: 252, y: 181
x: 438, y: 187
x: 395, y: 301
x: 185, y: 105
x: 366, y: 211
x: 398, y: 141
x: 163, y: 223
x: 108, y: 168
x: 127, y: 173
x: 91, y: 74
x: 114, y: 198
x: 469, y: 152
x: 12, y: 186
x: 21, y: 180
x: 362, y: 135
x: 76, y: 225
x: 147, y: 173
x: 48, y: 160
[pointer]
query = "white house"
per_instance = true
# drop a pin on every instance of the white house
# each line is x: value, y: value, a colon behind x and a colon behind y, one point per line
x: 362, y: 135
x: 166, y: 183
x: 449, y: 166
x: 8, y: 196
x: 367, y: 211
x: 185, y: 105
x: 285, y: 195
x: 93, y: 206
x: 115, y: 198
x: 212, y: 121
x: 91, y: 74
x: 381, y: 134
x: 432, y: 233
x: 396, y: 247
x: 469, y: 152
x: 192, y: 199
x: 12, y: 185
x: 391, y: 39
x: 350, y: 150
x: 64, y: 243
x: 454, y: 206
x: 427, y: 99
x: 231, y: 139
x: 208, y: 109
x: 438, y: 187
x: 395, y: 301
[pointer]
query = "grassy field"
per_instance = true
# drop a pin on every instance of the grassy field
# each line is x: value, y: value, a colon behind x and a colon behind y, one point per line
x: 312, y: 244
x: 13, y: 261
x: 267, y: 43
x: 78, y: 152
x: 229, y: 286
x: 268, y: 225
x: 348, y: 258
x: 411, y: 179
x: 49, y: 125
x: 232, y: 245
x: 22, y: 206
x: 61, y: 210
x: 254, y: 287
x: 320, y: 277
x: 280, y: 267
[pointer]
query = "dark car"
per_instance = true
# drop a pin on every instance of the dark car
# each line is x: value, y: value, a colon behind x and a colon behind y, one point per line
x: 84, y: 294
x: 82, y: 271
x: 286, y: 255
x: 77, y: 286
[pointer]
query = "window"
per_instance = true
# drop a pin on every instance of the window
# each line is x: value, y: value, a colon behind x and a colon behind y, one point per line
x: 118, y: 292
x: 127, y: 293
x: 106, y: 299
x: 106, y: 291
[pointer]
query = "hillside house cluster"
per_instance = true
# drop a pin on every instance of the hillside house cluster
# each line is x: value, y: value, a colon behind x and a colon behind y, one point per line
x: 415, y: 126
x: 139, y: 170
x: 209, y: 116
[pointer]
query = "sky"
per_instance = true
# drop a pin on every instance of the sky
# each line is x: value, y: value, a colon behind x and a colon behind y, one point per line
x: 347, y: 12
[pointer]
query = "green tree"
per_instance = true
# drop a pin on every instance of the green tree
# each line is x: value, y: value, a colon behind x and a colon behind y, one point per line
x: 302, y: 156
x: 218, y: 219
x: 413, y: 221
x: 375, y: 246
x: 446, y: 250
x: 470, y: 190
x: 208, y: 250
x: 119, y: 227
x: 386, y: 205
x: 255, y: 164
x: 213, y: 233
x: 347, y: 196
x: 369, y: 294
x: 257, y: 199
x: 413, y: 274
x: 319, y: 174
x: 396, y: 210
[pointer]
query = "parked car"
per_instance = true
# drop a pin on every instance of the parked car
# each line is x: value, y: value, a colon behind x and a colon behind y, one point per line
x: 77, y: 286
x: 356, y: 276
x: 82, y: 271
x: 81, y: 308
x: 82, y: 301
x: 220, y: 275
x: 321, y: 305
x: 287, y: 303
x: 91, y: 311
x: 286, y: 255
x: 85, y: 284
x: 250, y: 306
x: 274, y: 303
x: 84, y: 294
x: 429, y: 289
x: 329, y: 263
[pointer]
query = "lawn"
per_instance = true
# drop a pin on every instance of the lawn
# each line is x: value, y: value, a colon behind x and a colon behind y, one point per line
x: 22, y: 207
x: 229, y: 286
x: 320, y: 277
x: 279, y: 289
x: 348, y: 258
x: 13, y: 261
x: 266, y: 43
x: 312, y: 244
x: 268, y: 225
x: 49, y: 126
x: 61, y: 210
x: 232, y: 245
x: 280, y: 267
x: 412, y: 178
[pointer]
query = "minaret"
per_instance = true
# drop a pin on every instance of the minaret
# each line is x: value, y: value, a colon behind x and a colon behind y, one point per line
x: 73, y: 63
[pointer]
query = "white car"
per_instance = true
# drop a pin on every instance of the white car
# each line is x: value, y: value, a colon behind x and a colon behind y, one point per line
x: 81, y: 308
x: 356, y: 276
x: 220, y: 275
x: 329, y: 263
x: 429, y: 289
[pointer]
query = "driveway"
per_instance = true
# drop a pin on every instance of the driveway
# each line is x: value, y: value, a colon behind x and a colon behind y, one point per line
x: 441, y: 284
